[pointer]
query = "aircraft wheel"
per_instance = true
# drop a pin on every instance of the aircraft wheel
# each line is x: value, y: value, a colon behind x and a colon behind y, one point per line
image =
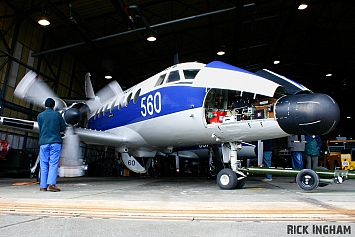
x: 307, y: 179
x: 240, y: 183
x: 227, y: 179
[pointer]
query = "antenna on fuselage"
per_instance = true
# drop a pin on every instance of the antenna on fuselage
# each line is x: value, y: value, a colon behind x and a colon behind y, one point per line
x: 176, y: 59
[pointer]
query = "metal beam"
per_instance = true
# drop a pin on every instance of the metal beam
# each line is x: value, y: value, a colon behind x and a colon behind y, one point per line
x: 72, y: 26
x: 122, y: 14
x: 133, y: 31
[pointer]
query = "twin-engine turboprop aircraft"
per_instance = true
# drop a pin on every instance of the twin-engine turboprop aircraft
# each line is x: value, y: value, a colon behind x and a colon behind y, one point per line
x: 190, y: 104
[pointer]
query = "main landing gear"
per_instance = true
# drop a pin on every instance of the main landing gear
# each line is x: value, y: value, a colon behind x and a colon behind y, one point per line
x: 233, y: 175
x: 229, y: 177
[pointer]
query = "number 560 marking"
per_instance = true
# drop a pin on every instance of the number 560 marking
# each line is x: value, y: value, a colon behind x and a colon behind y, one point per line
x: 151, y: 104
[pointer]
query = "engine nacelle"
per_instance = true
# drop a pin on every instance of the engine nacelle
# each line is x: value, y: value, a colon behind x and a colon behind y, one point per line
x: 72, y: 116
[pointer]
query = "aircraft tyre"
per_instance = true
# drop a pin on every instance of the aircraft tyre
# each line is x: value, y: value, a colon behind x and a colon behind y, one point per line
x: 307, y: 179
x: 227, y: 179
x: 240, y: 183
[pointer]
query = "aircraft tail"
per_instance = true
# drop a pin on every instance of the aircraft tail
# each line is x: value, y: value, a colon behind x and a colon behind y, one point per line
x: 89, y: 90
x: 96, y: 100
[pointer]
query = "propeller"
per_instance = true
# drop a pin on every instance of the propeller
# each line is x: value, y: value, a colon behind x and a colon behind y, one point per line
x: 33, y: 88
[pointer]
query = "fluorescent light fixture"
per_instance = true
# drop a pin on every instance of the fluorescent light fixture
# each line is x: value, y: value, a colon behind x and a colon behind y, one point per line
x: 302, y: 6
x: 43, y: 21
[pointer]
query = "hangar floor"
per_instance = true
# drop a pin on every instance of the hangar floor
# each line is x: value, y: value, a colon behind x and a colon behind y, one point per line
x: 188, y: 198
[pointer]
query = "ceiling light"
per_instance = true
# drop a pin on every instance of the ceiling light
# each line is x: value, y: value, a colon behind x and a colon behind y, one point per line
x: 43, y: 21
x: 302, y: 6
x: 221, y: 50
x: 329, y: 75
x: 108, y: 75
x: 277, y: 61
x: 151, y: 37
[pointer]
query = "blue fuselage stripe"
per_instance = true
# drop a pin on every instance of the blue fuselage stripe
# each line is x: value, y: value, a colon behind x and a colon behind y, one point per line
x: 156, y: 103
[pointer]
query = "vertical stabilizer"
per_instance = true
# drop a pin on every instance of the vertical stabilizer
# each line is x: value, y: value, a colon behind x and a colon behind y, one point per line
x: 89, y: 90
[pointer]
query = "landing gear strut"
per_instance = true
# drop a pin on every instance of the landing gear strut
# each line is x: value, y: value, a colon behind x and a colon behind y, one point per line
x: 230, y: 178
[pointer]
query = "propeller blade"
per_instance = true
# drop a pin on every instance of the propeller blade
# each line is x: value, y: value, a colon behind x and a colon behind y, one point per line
x: 110, y: 90
x: 33, y: 88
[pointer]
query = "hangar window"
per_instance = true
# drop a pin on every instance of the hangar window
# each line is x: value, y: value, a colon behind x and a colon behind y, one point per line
x: 190, y: 73
x: 173, y: 76
x: 136, y: 96
x: 160, y: 80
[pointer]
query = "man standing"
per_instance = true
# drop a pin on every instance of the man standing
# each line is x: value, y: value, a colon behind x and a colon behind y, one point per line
x: 313, y: 146
x: 267, y: 155
x: 50, y: 124
x: 297, y: 144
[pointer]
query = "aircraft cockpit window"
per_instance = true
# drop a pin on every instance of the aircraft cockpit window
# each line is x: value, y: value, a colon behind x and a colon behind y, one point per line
x: 160, y: 80
x: 173, y: 76
x: 128, y: 99
x: 136, y: 96
x: 190, y: 73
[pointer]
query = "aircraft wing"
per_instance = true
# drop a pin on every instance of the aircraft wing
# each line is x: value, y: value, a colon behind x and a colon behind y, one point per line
x: 99, y: 137
x: 86, y: 135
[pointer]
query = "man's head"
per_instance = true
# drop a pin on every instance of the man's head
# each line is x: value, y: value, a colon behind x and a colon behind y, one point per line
x: 49, y: 103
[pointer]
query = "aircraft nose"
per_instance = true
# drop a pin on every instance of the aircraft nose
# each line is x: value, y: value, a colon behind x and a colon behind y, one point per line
x: 307, y: 114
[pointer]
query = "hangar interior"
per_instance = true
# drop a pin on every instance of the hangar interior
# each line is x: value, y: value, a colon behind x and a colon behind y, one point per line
x: 313, y: 46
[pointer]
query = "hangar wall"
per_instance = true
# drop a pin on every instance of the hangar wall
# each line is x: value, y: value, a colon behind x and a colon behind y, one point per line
x: 20, y: 37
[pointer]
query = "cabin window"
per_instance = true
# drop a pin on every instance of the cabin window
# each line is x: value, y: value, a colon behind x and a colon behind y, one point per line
x: 136, y: 96
x: 160, y: 80
x: 99, y: 112
x: 173, y: 76
x: 128, y: 99
x: 112, y: 106
x: 190, y: 73
x: 104, y: 110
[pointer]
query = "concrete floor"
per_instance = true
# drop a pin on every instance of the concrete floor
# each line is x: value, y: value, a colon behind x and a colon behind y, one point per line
x: 172, y: 206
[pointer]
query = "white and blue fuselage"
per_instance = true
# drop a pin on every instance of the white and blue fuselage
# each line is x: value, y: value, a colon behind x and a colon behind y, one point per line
x: 177, y: 107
